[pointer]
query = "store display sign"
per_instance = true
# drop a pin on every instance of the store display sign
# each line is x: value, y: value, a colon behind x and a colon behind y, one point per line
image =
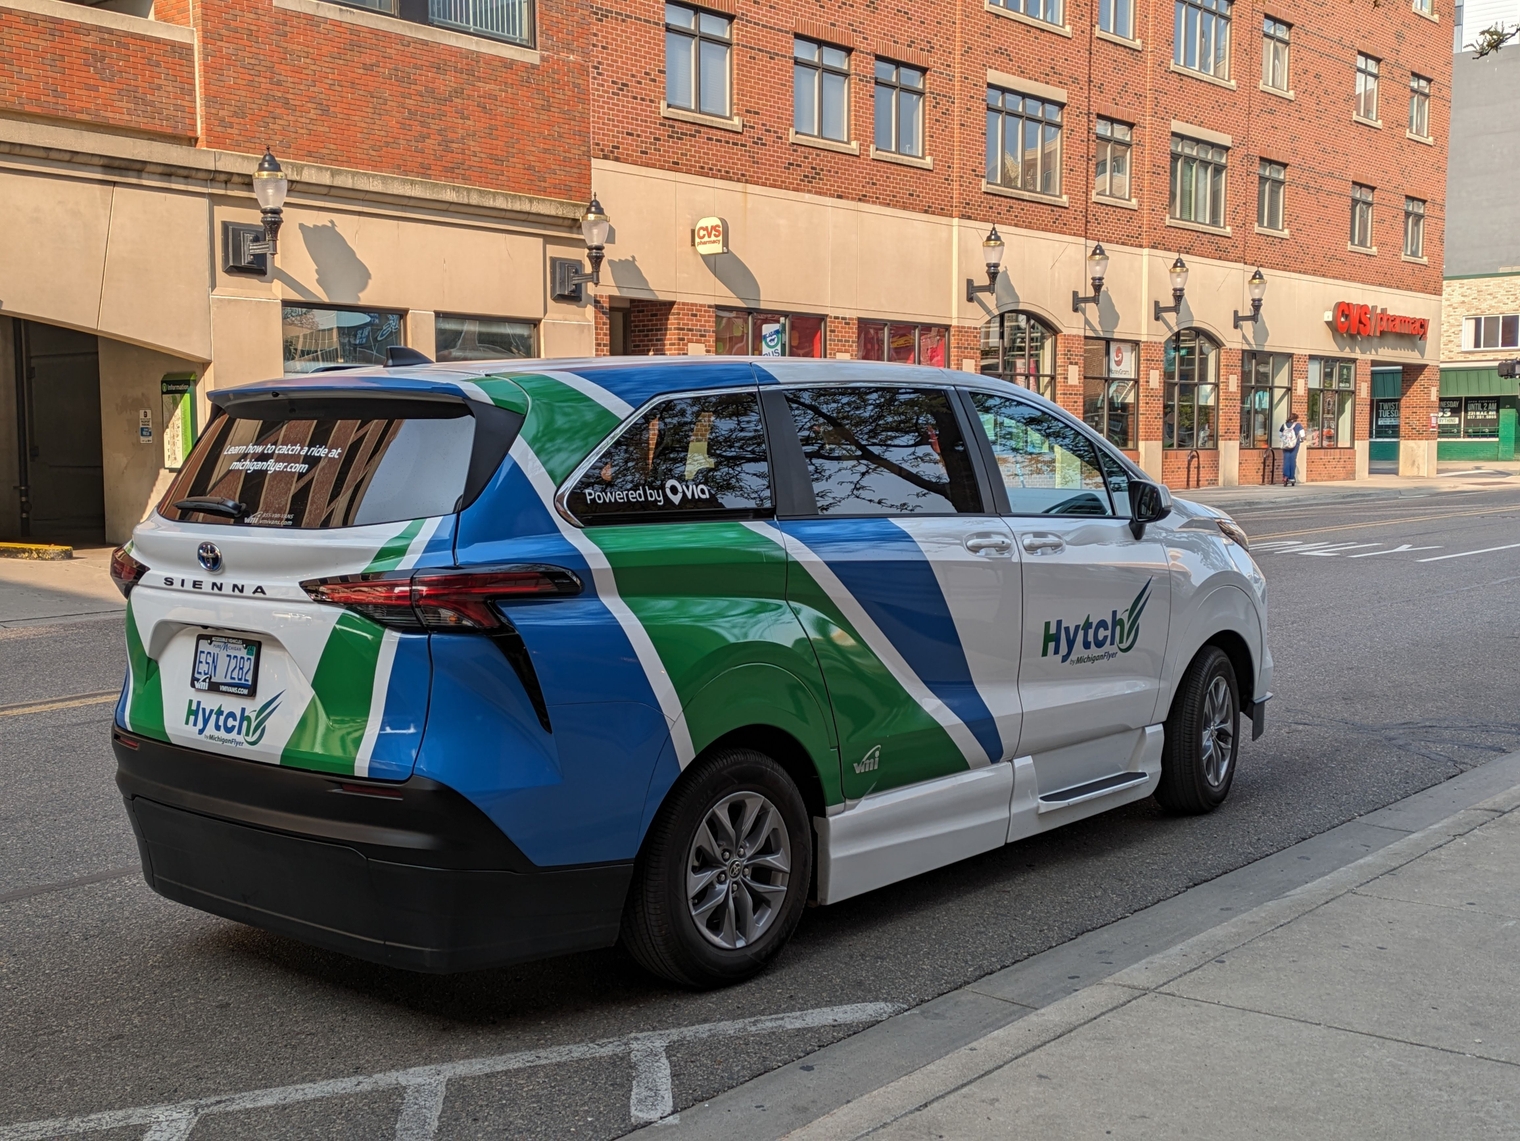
x: 710, y: 236
x: 771, y: 340
x: 145, y: 425
x: 178, y: 391
x: 1385, y: 424
x: 1122, y: 356
x: 1353, y: 320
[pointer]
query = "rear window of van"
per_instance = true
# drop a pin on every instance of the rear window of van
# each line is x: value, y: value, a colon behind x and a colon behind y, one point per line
x: 285, y: 466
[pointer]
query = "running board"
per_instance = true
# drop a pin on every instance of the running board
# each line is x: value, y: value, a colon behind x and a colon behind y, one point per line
x: 1092, y: 790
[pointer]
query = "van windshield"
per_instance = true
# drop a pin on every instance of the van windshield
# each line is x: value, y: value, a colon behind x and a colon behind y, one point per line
x: 323, y: 470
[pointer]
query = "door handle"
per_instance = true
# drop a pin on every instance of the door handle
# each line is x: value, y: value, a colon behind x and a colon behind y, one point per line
x: 1041, y: 544
x: 986, y: 543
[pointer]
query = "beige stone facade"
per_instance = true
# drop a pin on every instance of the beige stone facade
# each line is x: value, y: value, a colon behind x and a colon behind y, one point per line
x: 1464, y: 297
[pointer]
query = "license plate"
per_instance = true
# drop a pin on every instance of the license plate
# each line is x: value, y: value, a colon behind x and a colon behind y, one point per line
x: 226, y: 665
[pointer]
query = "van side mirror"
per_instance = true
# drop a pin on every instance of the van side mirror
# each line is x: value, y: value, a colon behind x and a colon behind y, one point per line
x: 1148, y: 503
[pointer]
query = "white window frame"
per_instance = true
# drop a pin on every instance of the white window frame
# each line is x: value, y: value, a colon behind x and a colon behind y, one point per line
x: 1117, y: 18
x: 1216, y: 159
x: 1271, y: 182
x: 1368, y: 72
x: 1362, y: 201
x: 1113, y: 137
x: 1414, y: 227
x: 1201, y: 37
x: 1419, y: 106
x: 1276, y: 54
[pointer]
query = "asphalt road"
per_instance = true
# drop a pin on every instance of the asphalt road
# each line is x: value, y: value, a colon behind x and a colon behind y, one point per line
x: 1393, y: 672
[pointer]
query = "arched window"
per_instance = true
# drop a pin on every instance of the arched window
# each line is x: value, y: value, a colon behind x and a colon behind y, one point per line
x: 1190, y: 418
x: 1021, y: 348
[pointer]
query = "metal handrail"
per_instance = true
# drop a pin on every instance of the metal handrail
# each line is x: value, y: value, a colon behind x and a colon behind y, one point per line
x: 1193, y: 455
x: 1269, y: 467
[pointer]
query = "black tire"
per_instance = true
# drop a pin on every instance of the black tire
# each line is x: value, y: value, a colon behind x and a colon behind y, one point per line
x: 1192, y: 780
x: 660, y: 927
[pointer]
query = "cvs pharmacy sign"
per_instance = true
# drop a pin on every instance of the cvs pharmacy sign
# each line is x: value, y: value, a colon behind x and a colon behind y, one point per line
x: 1353, y: 320
x: 710, y: 236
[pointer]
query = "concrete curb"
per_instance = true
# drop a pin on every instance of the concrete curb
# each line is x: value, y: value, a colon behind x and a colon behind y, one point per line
x: 953, y: 1072
x: 47, y: 551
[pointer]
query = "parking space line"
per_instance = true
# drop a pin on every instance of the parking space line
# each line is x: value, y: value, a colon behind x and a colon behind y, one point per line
x: 1464, y: 554
x: 425, y: 1087
x: 60, y: 703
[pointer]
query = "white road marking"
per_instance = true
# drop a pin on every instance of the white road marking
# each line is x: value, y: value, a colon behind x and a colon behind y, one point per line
x: 1333, y: 549
x: 1464, y: 554
x: 424, y: 1087
x: 1394, y: 551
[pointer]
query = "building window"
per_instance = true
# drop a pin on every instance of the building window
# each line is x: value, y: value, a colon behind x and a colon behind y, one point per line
x: 1414, y: 228
x: 1428, y: 8
x: 899, y: 109
x: 744, y: 334
x: 1023, y: 142
x: 1274, y: 54
x: 1266, y: 391
x: 1118, y: 17
x: 1331, y: 398
x: 1111, y: 165
x: 1189, y: 417
x: 820, y: 90
x: 483, y: 338
x: 1198, y: 171
x: 1201, y: 37
x: 1497, y: 332
x: 1020, y: 348
x: 698, y: 59
x: 1361, y: 216
x: 1419, y: 106
x: 1271, y: 180
x: 1468, y: 418
x: 315, y: 337
x: 1046, y: 11
x: 1110, y: 370
x: 500, y: 19
x: 1367, y: 87
x: 902, y: 343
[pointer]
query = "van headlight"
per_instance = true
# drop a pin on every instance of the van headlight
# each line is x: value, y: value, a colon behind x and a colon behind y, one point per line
x: 1233, y: 532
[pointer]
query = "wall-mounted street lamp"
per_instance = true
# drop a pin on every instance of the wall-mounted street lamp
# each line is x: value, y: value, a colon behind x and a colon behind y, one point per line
x: 270, y: 187
x: 1178, y: 277
x: 1257, y: 288
x: 992, y: 252
x: 1097, y: 269
x: 568, y: 275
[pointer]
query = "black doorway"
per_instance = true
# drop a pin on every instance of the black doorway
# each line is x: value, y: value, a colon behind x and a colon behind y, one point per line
x: 61, y: 483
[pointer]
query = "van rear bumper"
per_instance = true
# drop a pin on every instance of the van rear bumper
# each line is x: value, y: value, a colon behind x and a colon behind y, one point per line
x: 410, y: 874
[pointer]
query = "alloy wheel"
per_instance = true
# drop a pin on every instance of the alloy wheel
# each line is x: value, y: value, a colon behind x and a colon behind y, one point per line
x: 1218, y: 732
x: 737, y: 870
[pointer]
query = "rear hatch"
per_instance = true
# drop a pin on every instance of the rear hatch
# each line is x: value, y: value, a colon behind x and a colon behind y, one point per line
x: 228, y: 651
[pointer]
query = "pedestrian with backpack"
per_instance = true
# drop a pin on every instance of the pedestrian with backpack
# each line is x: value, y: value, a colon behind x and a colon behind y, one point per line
x: 1290, y: 438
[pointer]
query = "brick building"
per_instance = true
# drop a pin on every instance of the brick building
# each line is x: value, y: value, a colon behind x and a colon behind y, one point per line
x: 441, y: 153
x: 857, y: 156
x: 438, y: 159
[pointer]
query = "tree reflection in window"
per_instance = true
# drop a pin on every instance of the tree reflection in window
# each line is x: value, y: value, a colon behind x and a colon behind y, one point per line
x: 698, y: 456
x: 884, y: 451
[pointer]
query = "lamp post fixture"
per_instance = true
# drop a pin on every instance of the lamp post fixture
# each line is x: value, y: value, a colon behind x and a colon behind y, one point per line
x: 270, y: 187
x: 1178, y: 275
x: 1097, y: 268
x: 568, y: 276
x: 1257, y: 288
x: 992, y: 252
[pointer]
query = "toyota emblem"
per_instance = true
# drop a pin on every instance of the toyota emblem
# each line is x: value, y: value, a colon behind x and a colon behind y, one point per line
x: 210, y: 556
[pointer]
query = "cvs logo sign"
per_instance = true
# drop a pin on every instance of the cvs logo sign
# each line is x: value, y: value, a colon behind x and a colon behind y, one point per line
x: 710, y: 236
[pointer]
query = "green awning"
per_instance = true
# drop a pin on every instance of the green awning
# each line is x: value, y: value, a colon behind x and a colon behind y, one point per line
x: 1475, y: 382
x: 1387, y: 383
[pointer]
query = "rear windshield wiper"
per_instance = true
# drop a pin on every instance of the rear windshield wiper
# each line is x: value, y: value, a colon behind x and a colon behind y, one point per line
x: 214, y: 505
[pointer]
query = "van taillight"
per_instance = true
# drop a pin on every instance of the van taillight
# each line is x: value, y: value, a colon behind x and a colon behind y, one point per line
x: 442, y: 599
x: 125, y: 570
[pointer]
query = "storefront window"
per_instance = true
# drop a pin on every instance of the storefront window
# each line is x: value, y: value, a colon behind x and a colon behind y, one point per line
x: 1266, y: 387
x: 1189, y: 418
x: 743, y: 334
x: 1468, y: 418
x: 1331, y: 403
x: 482, y: 338
x: 1109, y: 372
x: 901, y: 343
x: 314, y: 338
x: 1385, y: 419
x: 1020, y: 348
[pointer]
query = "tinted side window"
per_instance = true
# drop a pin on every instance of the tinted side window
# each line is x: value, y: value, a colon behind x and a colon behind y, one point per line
x: 1048, y: 467
x: 884, y: 451
x: 692, y: 457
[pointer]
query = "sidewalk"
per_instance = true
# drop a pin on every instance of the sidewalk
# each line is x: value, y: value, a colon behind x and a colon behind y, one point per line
x: 34, y: 591
x: 1363, y: 983
x: 1482, y: 478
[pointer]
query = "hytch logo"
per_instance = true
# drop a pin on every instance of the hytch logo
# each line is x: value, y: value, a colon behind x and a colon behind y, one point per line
x: 231, y: 725
x: 1104, y: 639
